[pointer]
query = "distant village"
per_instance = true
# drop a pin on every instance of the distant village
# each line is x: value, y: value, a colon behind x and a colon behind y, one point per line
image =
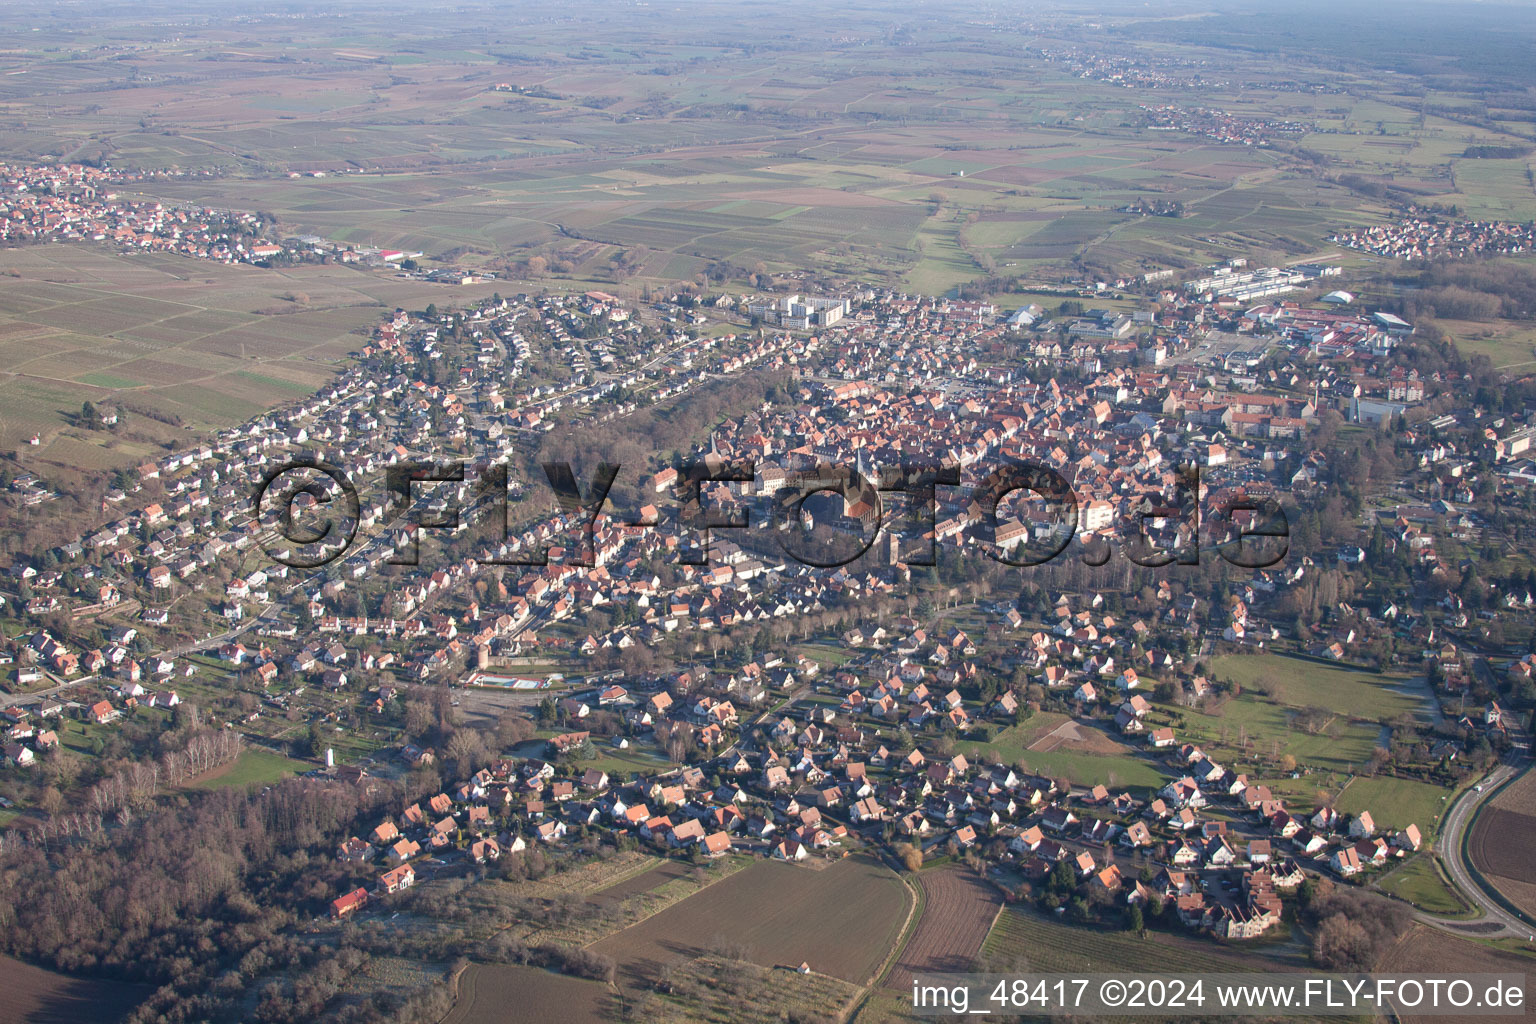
x: 1421, y: 238
x: 74, y: 202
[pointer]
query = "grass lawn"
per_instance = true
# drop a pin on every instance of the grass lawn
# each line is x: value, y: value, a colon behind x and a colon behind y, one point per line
x: 1011, y: 743
x: 1396, y: 803
x: 1116, y: 772
x: 1303, y: 683
x: 828, y: 655
x: 1422, y: 883
x: 253, y: 766
x: 1339, y: 746
x: 1022, y: 936
x: 627, y: 761
x: 1506, y: 342
x: 1254, y: 726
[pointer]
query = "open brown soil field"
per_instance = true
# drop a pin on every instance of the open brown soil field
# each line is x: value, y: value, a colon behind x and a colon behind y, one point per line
x: 498, y: 993
x: 842, y: 921
x: 1079, y: 738
x: 36, y: 996
x: 644, y: 882
x: 1502, y: 840
x: 1425, y: 951
x: 1518, y: 796
x: 958, y: 912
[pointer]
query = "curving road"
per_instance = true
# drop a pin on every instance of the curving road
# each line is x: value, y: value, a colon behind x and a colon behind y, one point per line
x: 1461, y: 817
x: 1457, y: 821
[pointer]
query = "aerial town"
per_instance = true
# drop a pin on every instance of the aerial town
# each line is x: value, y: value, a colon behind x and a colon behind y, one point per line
x: 563, y: 514
x: 794, y: 757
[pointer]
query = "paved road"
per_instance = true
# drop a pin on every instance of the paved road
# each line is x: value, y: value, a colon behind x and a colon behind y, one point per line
x: 36, y: 697
x: 1457, y: 821
x: 217, y: 640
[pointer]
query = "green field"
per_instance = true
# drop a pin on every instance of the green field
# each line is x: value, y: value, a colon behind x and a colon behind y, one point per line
x: 253, y: 766
x: 1116, y: 772
x: 1396, y: 803
x: 1248, y: 725
x: 1301, y: 682
x: 1253, y: 726
x: 1422, y: 882
x: 1010, y: 744
x: 1506, y: 343
x: 1023, y: 939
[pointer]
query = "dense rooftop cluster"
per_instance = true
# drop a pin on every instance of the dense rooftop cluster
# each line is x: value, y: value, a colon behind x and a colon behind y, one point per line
x: 1426, y: 238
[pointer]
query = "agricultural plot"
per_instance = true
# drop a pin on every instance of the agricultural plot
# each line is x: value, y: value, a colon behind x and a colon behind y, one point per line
x: 486, y: 991
x: 1426, y: 951
x: 1501, y: 840
x: 201, y: 345
x: 1026, y: 941
x: 958, y: 912
x: 645, y: 881
x: 842, y: 920
x: 1496, y: 189
x: 717, y: 990
x: 37, y: 996
x: 1501, y: 845
x: 716, y: 188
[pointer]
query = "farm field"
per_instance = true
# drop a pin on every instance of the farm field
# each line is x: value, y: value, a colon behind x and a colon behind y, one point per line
x: 1501, y: 840
x: 37, y: 996
x: 778, y: 914
x: 595, y: 876
x: 645, y: 881
x: 1025, y: 941
x: 488, y: 991
x: 974, y: 166
x: 196, y: 344
x: 1426, y: 950
x: 958, y: 911
x: 715, y: 990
